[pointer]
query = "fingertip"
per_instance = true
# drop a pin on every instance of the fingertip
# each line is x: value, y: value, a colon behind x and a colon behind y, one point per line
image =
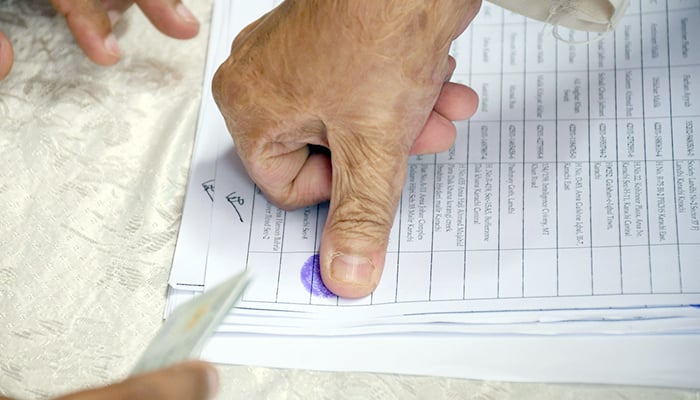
x: 352, y: 263
x: 472, y: 102
x: 112, y: 47
x: 101, y: 48
x: 103, y: 52
x: 185, y: 14
x: 351, y: 275
x: 6, y: 56
x: 188, y: 26
x: 91, y: 25
x: 457, y: 102
x: 352, y: 259
x: 174, y: 20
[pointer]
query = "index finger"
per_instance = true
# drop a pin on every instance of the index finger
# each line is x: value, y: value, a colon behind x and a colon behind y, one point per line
x: 91, y: 28
x: 170, y: 17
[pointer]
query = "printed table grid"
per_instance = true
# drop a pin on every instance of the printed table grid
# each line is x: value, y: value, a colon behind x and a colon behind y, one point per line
x: 638, y: 183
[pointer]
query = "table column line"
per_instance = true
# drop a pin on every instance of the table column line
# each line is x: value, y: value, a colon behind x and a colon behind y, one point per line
x: 466, y: 188
x: 500, y: 155
x: 673, y: 150
x: 644, y: 142
x: 590, y: 177
x: 617, y: 164
x: 556, y: 157
x: 522, y: 215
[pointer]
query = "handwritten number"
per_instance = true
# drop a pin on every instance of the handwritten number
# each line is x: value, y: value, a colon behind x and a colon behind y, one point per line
x: 235, y: 201
x: 208, y: 187
x: 232, y: 198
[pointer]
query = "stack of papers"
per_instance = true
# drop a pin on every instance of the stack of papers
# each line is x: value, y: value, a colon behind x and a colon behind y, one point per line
x: 561, y: 230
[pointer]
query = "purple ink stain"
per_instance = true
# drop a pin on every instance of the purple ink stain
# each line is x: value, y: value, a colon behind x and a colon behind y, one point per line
x: 311, y: 277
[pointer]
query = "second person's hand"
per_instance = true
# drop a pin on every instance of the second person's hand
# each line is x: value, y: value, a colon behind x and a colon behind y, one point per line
x: 91, y: 23
x: 191, y: 380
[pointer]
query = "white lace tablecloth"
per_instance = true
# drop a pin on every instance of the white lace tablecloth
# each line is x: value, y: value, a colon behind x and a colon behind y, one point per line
x: 94, y: 166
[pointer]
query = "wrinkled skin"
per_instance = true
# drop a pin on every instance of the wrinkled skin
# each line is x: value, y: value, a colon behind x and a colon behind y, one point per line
x: 91, y: 23
x: 327, y: 99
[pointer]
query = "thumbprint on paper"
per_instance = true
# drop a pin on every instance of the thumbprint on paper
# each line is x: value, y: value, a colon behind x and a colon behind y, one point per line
x: 311, y: 277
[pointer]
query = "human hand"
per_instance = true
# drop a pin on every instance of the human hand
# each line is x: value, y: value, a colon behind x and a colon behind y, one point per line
x: 192, y: 380
x: 91, y: 23
x: 364, y: 79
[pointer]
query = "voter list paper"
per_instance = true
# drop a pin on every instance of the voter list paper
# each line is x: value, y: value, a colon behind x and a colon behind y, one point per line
x: 573, y: 187
x: 495, y: 357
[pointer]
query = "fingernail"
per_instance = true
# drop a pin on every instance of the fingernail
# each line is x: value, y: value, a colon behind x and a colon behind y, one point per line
x: 354, y: 270
x: 111, y: 45
x: 212, y: 382
x: 185, y: 13
x: 113, y: 16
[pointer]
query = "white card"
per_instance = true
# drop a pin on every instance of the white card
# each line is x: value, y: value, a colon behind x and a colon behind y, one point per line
x: 185, y: 332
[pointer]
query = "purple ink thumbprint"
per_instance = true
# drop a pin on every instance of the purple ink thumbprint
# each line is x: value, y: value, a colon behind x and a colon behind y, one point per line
x: 311, y: 277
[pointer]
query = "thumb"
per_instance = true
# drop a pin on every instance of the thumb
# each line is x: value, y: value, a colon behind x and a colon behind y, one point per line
x: 367, y: 179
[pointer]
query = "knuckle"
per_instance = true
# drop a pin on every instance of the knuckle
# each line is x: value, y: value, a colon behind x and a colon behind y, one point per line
x: 278, y: 196
x: 358, y: 222
x: 364, y: 205
x: 368, y: 173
